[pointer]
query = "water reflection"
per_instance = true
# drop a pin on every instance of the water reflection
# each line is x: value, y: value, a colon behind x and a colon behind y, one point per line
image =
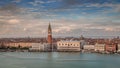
x: 57, y: 60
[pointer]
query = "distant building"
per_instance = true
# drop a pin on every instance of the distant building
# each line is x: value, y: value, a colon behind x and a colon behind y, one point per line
x: 111, y: 47
x: 89, y: 47
x: 18, y: 44
x: 68, y: 46
x: 118, y: 48
x: 37, y: 47
x: 99, y: 47
x: 47, y: 47
x: 82, y: 41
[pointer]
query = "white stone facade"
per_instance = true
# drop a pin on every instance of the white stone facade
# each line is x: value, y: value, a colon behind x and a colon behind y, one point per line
x: 89, y: 47
x: 68, y: 46
x: 100, y: 47
x: 37, y: 47
x: 17, y: 44
x: 118, y: 47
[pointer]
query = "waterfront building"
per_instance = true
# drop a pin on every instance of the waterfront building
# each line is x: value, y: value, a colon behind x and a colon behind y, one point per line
x: 47, y: 47
x: 99, y: 47
x: 68, y: 46
x: 89, y: 47
x: 111, y: 47
x: 18, y: 44
x: 37, y: 47
x: 82, y: 41
x: 118, y: 48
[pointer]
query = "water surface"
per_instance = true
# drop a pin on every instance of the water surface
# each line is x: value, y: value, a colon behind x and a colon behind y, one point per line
x: 58, y: 60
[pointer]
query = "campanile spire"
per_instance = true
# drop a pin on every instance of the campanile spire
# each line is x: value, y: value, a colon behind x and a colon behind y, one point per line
x: 49, y: 39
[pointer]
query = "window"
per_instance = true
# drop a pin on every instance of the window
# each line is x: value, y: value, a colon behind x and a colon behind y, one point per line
x: 68, y: 45
x: 59, y: 44
x: 74, y: 44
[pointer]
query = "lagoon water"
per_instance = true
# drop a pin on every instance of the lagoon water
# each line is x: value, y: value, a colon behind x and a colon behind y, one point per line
x: 58, y: 60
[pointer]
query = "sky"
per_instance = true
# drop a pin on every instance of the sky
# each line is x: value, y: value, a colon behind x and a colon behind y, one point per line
x: 30, y: 18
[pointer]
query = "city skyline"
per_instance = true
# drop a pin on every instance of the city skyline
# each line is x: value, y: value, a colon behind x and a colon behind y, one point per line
x: 30, y: 18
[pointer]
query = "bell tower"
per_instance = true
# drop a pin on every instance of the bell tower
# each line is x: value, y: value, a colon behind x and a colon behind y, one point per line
x: 49, y: 38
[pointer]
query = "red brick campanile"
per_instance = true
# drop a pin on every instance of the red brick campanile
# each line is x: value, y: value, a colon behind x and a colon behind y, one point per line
x: 49, y: 38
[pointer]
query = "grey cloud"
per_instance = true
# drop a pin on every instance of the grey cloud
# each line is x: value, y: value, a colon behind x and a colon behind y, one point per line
x: 5, y: 27
x: 10, y: 9
x: 2, y: 24
x: 16, y: 1
x: 39, y: 2
x: 75, y: 2
x: 72, y: 3
x: 107, y: 23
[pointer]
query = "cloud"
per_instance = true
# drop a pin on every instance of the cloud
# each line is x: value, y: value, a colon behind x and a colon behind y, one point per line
x: 16, y: 1
x: 17, y: 21
x: 110, y: 8
x: 36, y: 27
x: 89, y: 24
x: 9, y: 9
x: 82, y: 3
x: 39, y: 2
x: 13, y: 21
x: 116, y: 8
